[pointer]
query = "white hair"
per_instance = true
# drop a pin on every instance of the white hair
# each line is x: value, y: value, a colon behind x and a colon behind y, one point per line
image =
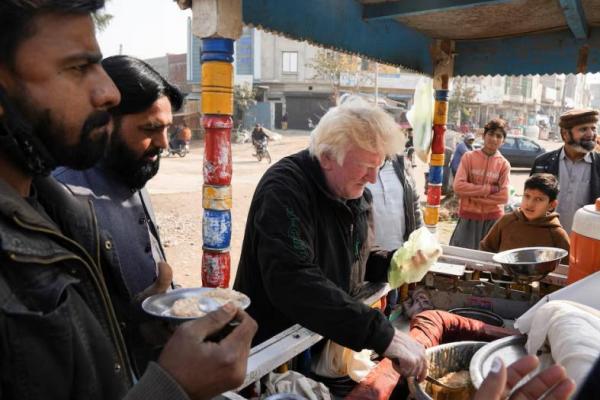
x: 355, y: 122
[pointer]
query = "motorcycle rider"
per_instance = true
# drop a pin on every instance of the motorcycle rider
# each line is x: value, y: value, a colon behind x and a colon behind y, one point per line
x: 259, y: 138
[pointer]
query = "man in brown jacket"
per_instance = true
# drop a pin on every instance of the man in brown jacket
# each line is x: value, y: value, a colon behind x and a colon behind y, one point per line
x: 534, y: 224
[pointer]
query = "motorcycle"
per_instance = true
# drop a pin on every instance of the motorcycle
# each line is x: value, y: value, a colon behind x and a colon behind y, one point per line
x: 181, y: 149
x: 262, y: 151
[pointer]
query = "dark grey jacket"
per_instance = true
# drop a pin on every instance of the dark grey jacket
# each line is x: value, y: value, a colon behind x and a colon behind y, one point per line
x: 413, y: 218
x: 550, y: 163
x: 59, y: 335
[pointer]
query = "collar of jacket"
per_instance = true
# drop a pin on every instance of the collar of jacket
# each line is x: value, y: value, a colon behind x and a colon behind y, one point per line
x: 27, y: 233
x: 315, y: 172
x: 13, y: 205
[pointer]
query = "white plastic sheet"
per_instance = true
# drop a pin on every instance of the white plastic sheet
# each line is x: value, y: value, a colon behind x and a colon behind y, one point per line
x: 420, y: 117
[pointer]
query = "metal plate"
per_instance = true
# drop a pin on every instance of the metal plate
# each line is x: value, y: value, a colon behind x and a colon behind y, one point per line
x: 509, y: 349
x: 160, y: 305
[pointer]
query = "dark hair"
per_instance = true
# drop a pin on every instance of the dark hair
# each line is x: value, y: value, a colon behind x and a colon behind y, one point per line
x: 139, y: 84
x: 545, y: 183
x: 495, y: 124
x: 16, y: 17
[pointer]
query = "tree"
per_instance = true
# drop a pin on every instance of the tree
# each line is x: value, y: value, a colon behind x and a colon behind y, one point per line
x: 244, y: 96
x: 330, y: 65
x: 461, y: 97
x: 102, y: 19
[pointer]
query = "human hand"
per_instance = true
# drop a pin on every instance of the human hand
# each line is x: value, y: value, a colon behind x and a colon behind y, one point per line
x: 420, y: 258
x: 160, y: 285
x: 205, y: 369
x: 407, y: 356
x: 550, y: 384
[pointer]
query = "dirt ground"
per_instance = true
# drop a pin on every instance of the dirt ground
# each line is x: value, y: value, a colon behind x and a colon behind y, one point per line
x: 177, y: 199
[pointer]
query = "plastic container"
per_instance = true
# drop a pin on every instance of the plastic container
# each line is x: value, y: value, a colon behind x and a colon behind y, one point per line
x: 584, y: 256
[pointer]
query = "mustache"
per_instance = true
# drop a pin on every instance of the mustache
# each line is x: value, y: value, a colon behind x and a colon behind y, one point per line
x: 152, y: 152
x: 98, y: 119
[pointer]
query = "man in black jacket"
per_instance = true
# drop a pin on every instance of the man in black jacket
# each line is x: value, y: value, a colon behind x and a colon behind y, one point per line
x: 576, y: 165
x: 307, y: 245
x: 59, y: 335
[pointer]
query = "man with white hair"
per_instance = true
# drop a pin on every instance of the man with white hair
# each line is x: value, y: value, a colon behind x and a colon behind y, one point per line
x: 307, y: 246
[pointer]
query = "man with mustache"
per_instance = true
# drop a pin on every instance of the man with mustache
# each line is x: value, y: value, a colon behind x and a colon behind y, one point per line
x: 576, y: 165
x: 116, y: 186
x: 60, y: 335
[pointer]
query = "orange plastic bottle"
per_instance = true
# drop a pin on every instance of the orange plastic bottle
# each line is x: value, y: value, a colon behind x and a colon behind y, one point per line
x: 584, y: 256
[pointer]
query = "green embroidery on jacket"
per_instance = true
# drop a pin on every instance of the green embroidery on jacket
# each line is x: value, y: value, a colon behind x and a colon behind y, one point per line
x: 298, y: 244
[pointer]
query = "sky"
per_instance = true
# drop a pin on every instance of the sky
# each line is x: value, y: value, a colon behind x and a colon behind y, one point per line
x: 145, y: 28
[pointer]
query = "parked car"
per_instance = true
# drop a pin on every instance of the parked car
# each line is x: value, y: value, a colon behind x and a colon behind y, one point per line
x: 520, y: 151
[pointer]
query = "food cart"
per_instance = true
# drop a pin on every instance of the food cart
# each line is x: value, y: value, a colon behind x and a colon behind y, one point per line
x: 440, y: 39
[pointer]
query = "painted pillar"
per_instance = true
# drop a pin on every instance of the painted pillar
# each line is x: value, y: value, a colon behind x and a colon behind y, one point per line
x: 442, y: 55
x: 218, y: 23
x: 217, y: 108
x: 436, y: 162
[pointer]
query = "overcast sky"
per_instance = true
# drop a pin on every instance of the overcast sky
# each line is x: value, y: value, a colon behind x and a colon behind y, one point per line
x: 145, y: 28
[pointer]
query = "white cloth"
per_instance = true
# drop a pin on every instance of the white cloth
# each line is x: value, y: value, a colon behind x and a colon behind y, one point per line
x: 572, y: 330
x: 388, y: 208
x: 294, y: 382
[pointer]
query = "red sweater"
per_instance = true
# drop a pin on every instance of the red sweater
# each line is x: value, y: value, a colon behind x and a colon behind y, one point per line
x: 481, y: 184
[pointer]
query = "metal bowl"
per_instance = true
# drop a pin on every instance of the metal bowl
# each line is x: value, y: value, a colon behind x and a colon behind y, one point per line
x: 445, y: 358
x: 530, y: 264
x: 160, y: 305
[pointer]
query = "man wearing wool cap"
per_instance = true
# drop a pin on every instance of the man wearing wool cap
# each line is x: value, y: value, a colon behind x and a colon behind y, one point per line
x: 576, y: 165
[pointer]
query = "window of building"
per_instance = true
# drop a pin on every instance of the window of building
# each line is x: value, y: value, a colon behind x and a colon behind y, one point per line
x: 290, y: 62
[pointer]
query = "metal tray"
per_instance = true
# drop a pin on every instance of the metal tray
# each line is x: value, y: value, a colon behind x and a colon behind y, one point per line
x: 509, y: 349
x: 160, y: 305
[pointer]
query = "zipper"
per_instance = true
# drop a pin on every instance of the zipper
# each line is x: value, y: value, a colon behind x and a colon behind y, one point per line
x: 101, y: 288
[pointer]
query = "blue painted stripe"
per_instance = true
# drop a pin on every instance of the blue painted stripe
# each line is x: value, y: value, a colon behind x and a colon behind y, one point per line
x: 338, y: 24
x: 435, y: 174
x: 389, y: 10
x: 216, y: 229
x: 217, y: 45
x: 575, y: 17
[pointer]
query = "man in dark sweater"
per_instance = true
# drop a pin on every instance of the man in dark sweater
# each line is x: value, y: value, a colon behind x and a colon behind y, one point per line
x: 576, y: 165
x: 308, y: 245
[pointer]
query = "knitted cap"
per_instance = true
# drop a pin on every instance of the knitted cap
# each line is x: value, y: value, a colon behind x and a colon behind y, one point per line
x: 576, y: 117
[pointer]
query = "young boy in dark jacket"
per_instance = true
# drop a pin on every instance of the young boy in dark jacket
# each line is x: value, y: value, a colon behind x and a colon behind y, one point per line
x: 534, y: 224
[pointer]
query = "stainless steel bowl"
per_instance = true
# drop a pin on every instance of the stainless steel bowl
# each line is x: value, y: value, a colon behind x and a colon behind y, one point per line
x: 445, y: 358
x: 530, y: 264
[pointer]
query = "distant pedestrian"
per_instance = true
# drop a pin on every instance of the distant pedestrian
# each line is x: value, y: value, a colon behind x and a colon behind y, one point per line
x: 284, y: 121
x: 461, y: 148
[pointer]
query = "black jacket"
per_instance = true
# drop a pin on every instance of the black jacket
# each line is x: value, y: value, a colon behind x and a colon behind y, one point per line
x: 549, y: 163
x: 413, y: 218
x: 59, y: 335
x: 305, y: 253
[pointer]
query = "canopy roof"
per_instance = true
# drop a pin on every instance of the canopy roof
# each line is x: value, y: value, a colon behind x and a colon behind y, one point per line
x: 490, y: 37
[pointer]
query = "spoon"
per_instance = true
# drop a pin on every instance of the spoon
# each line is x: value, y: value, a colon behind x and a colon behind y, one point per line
x: 434, y: 381
x: 208, y: 304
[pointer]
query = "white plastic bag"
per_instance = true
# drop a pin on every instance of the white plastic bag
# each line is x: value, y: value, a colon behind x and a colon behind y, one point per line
x: 336, y: 361
x: 402, y: 270
x: 420, y: 117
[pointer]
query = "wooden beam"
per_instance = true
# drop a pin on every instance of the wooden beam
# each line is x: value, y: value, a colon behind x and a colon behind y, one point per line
x: 575, y: 17
x: 389, y: 10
